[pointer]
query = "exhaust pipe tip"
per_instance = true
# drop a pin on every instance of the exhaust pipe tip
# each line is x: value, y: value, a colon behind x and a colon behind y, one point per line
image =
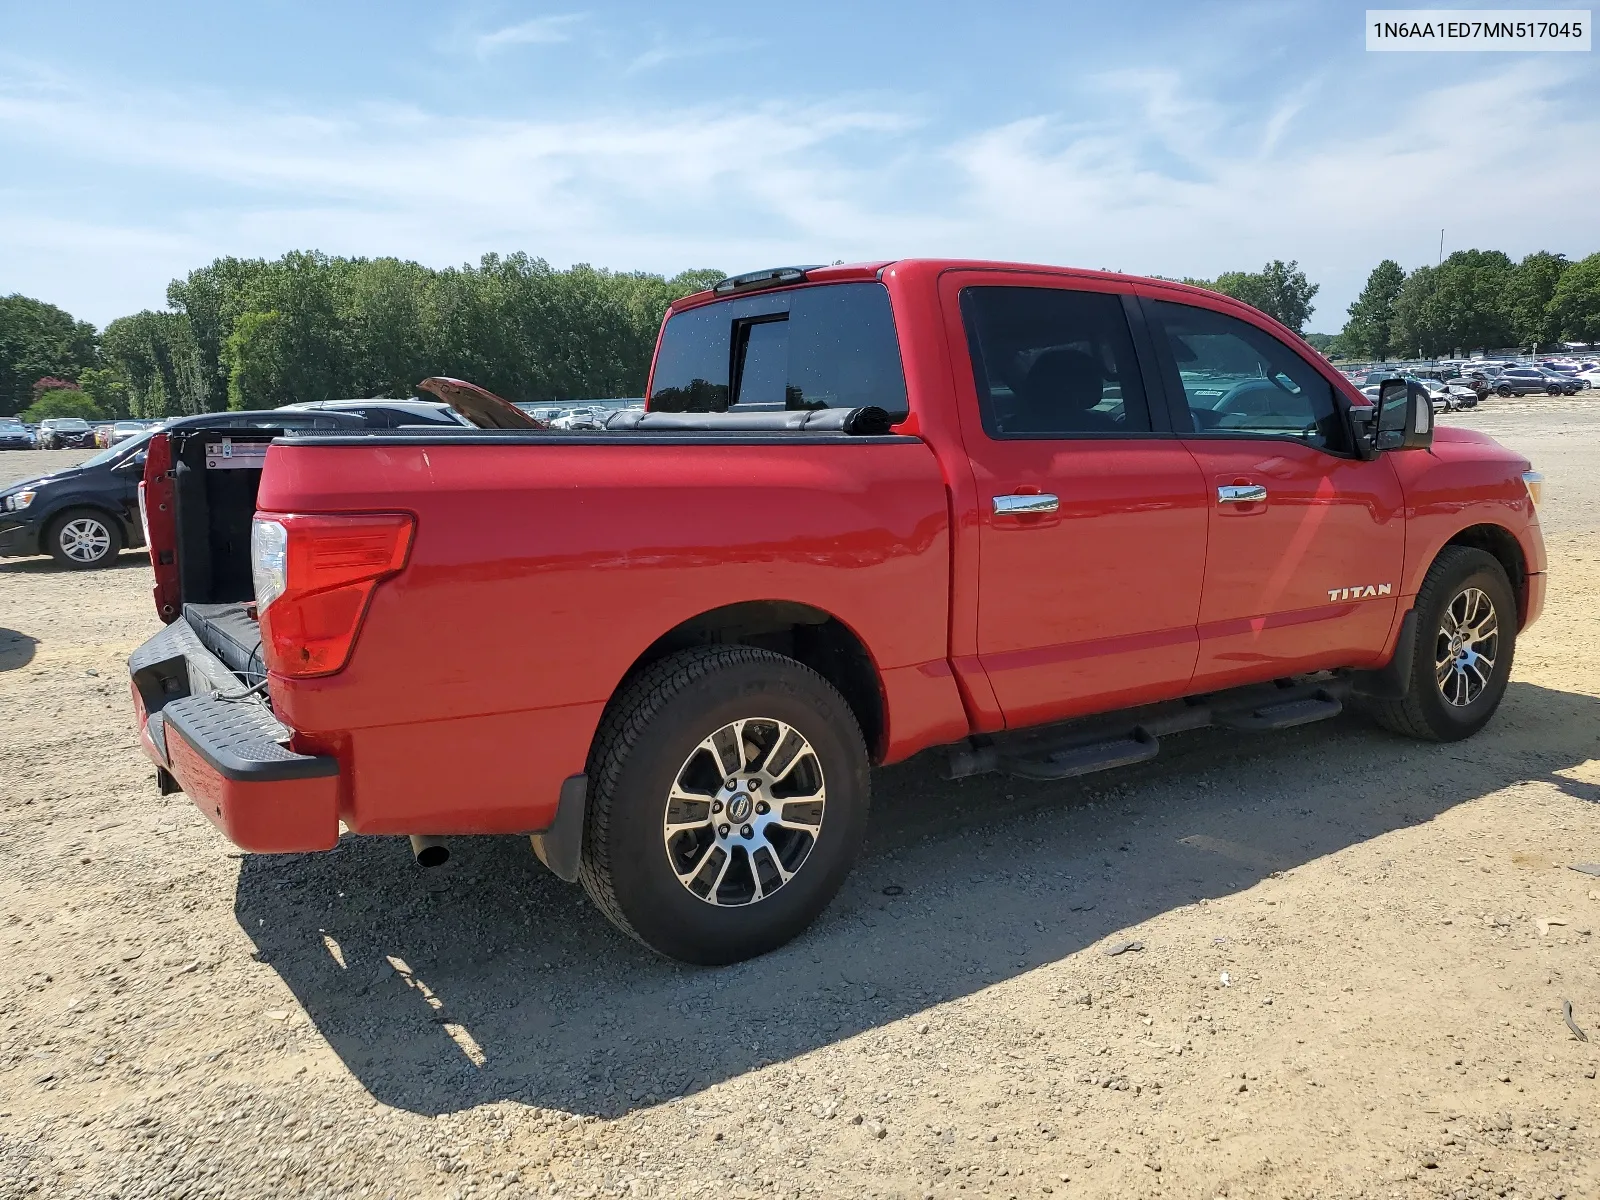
x: 429, y: 851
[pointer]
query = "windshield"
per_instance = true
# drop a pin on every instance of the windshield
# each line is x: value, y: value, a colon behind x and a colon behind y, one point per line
x: 119, y: 452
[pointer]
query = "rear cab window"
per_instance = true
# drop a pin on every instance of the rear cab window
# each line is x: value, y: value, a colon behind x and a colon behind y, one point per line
x: 827, y: 346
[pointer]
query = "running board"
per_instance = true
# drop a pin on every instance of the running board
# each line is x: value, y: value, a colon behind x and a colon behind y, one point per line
x: 1085, y: 760
x: 1282, y: 705
x: 1283, y: 716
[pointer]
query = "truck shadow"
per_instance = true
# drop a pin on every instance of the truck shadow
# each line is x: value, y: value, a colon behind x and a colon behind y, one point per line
x: 16, y: 649
x: 489, y: 979
x: 126, y: 560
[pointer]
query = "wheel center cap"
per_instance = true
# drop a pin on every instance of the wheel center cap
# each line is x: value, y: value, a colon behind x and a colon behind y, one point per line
x: 740, y: 807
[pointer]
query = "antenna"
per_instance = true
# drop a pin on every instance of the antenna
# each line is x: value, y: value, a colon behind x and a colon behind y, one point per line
x: 1441, y: 247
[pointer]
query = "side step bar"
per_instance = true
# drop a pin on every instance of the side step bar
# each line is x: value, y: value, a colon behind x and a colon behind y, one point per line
x: 1284, y: 715
x: 1277, y: 706
x: 1138, y: 747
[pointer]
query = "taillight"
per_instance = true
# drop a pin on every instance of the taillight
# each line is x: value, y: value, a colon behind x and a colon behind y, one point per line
x: 313, y: 577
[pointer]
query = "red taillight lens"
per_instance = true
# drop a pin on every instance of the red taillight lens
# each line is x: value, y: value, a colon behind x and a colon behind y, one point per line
x: 329, y: 566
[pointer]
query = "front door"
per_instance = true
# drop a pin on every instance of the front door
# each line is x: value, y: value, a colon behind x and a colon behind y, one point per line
x: 1306, y: 540
x: 1092, y: 516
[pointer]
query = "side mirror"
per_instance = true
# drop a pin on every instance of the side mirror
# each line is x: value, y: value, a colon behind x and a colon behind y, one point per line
x: 1404, y: 417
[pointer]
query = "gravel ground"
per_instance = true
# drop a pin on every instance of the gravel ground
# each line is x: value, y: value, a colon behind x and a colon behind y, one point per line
x: 1356, y: 951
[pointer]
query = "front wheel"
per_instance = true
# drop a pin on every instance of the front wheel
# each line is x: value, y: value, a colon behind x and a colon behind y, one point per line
x: 728, y: 793
x: 83, y: 539
x: 1466, y: 635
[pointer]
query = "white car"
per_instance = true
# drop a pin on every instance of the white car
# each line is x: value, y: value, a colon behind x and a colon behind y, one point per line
x: 1450, y: 396
x: 578, y: 418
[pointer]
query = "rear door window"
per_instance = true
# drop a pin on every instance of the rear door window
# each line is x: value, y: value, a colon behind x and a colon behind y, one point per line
x: 831, y: 346
x: 1053, y: 363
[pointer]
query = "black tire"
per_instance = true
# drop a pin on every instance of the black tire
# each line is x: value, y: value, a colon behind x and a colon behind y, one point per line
x: 1424, y: 712
x: 646, y: 739
x: 69, y: 552
x: 1504, y: 391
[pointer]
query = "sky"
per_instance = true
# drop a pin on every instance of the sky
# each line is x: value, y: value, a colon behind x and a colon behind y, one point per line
x: 138, y: 142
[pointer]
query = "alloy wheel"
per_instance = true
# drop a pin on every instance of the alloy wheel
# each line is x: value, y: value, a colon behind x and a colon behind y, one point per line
x: 85, y: 540
x: 1467, y: 647
x: 744, y: 812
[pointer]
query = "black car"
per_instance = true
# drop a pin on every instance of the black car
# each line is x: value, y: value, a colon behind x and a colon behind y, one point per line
x: 14, y: 435
x: 65, y: 433
x: 84, y: 515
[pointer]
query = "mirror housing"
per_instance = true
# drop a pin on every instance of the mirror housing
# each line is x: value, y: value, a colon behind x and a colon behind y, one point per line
x: 1402, y: 418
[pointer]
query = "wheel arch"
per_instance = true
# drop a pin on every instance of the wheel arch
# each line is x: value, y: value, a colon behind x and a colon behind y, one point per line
x: 800, y: 631
x: 1500, y: 542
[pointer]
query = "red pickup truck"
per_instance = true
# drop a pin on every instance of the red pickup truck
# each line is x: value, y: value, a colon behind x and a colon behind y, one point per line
x: 1038, y: 517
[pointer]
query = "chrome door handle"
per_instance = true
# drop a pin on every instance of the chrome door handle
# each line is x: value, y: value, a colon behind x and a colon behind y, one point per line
x: 1017, y: 506
x: 1248, y: 493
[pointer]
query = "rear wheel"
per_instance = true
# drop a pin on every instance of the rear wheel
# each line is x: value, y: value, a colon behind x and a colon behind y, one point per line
x: 83, y: 539
x: 728, y: 799
x: 1503, y: 391
x: 1466, y: 635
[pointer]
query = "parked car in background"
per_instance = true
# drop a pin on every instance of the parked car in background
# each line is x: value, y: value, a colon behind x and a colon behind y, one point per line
x: 65, y: 433
x: 82, y: 516
x: 1525, y: 381
x: 123, y: 430
x: 541, y: 412
x: 578, y: 419
x: 14, y: 435
x: 1448, y: 397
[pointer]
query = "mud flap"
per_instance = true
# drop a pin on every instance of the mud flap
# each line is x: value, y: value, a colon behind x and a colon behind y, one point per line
x: 1393, y: 681
x: 561, y: 846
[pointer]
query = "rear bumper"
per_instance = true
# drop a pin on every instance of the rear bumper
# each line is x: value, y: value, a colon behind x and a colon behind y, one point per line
x: 230, y: 757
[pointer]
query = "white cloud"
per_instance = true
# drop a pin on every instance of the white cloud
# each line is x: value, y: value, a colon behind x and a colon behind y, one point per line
x: 666, y: 52
x: 1161, y: 177
x: 540, y: 31
x: 1377, y: 178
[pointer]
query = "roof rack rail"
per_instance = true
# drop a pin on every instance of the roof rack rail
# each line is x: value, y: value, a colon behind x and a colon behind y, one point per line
x: 752, y: 281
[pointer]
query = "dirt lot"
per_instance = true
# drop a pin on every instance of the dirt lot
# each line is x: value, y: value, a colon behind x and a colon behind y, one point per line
x: 1355, y: 955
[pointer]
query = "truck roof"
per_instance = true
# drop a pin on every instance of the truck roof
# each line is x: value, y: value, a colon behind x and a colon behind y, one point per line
x: 855, y: 272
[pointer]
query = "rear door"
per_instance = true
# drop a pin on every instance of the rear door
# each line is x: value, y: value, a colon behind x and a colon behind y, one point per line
x: 1092, y: 516
x: 1305, y: 539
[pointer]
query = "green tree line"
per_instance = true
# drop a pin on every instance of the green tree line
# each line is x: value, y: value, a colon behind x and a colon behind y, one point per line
x: 252, y: 333
x: 1473, y: 300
